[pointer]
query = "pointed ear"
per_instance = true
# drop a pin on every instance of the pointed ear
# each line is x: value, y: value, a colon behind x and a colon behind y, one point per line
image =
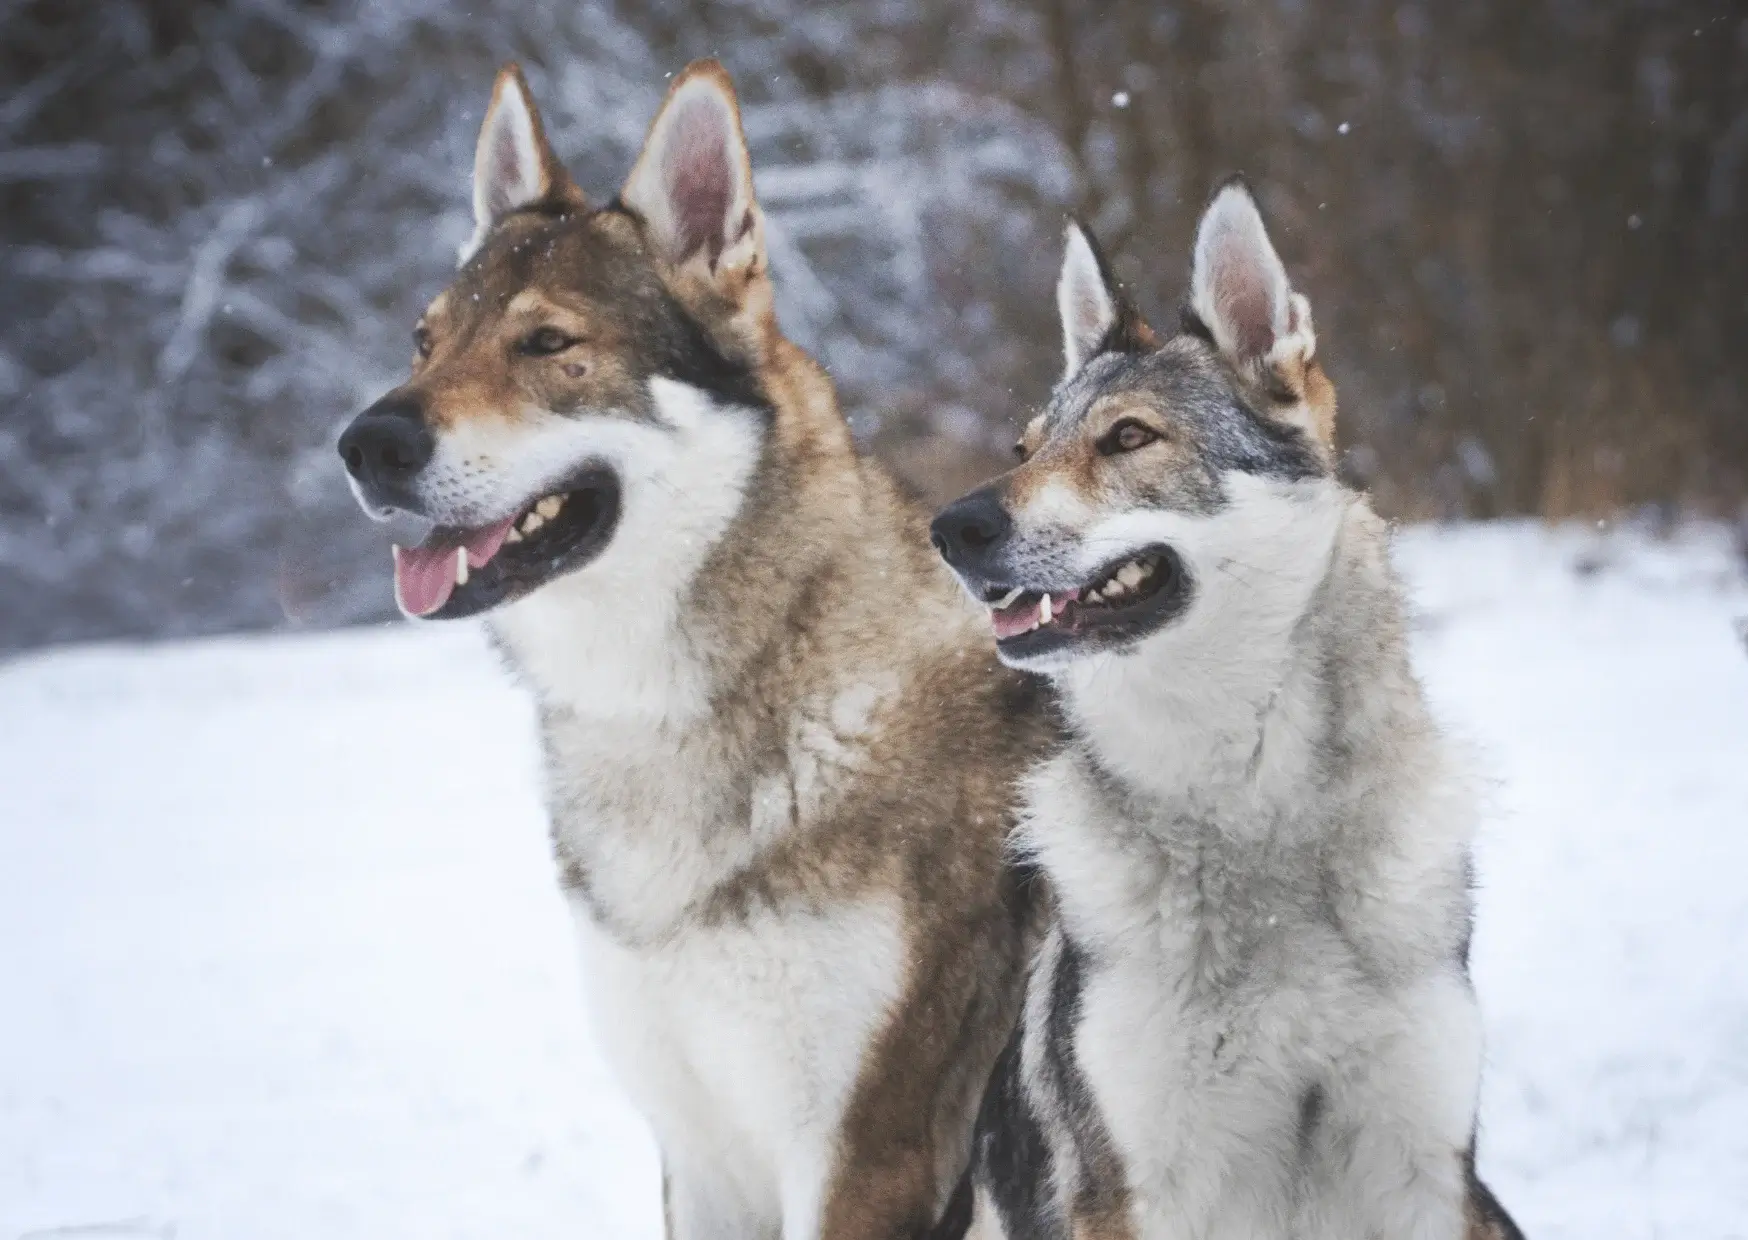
x: 1240, y: 292
x: 1096, y: 316
x: 693, y: 183
x: 1239, y: 289
x: 513, y: 167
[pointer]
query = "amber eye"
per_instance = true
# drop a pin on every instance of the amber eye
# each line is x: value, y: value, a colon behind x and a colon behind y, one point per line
x: 1127, y: 436
x: 422, y: 340
x: 544, y: 342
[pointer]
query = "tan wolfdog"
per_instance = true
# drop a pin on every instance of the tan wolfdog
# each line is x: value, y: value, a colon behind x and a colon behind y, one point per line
x: 780, y: 752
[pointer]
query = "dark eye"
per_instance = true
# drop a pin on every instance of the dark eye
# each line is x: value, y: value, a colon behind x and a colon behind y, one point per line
x: 1020, y: 450
x: 422, y: 340
x: 1126, y: 436
x: 544, y: 342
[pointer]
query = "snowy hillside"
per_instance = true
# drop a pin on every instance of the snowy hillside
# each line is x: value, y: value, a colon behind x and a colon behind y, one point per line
x: 281, y: 956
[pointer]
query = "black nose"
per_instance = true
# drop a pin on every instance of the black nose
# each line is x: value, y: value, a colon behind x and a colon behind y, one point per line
x: 388, y: 443
x: 970, y: 528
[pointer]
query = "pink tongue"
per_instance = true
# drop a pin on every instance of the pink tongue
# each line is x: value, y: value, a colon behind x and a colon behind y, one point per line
x: 425, y: 576
x: 1021, y: 616
x: 1025, y: 614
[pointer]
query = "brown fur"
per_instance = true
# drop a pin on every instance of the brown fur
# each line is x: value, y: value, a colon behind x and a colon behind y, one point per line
x: 929, y: 830
x: 926, y: 828
x: 1100, y: 1209
x: 1076, y: 463
x: 1303, y: 380
x: 1104, y: 1225
x: 583, y: 273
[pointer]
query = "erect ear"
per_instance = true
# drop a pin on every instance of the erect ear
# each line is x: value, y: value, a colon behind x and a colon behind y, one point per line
x: 1238, y: 287
x: 1240, y: 291
x: 513, y: 167
x: 693, y: 183
x: 1096, y: 316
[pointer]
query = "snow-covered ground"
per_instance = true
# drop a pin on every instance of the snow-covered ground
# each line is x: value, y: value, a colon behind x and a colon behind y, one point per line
x: 281, y: 955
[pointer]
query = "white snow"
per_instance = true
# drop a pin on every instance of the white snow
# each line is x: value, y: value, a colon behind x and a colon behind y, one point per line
x: 281, y: 954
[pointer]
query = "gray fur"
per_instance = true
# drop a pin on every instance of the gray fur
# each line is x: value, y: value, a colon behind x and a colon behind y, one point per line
x: 1253, y: 1019
x: 1268, y: 903
x: 1217, y: 414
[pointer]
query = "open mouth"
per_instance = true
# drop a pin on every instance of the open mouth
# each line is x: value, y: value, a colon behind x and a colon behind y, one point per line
x: 461, y: 572
x: 1122, y: 602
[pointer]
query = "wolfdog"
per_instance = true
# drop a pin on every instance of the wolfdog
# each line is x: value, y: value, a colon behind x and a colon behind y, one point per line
x: 1252, y: 1016
x: 780, y: 757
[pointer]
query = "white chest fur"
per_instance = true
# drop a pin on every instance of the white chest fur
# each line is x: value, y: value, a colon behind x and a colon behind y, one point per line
x: 742, y: 1044
x: 1260, y: 1070
x: 739, y: 1034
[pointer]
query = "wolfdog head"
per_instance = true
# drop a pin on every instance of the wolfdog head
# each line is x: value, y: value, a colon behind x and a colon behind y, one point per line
x: 590, y: 388
x: 1169, y: 486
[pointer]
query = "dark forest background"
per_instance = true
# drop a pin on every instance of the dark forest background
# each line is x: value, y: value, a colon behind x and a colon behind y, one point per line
x: 1520, y: 223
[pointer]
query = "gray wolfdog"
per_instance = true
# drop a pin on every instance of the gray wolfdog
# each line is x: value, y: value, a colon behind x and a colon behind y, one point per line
x: 1252, y: 1017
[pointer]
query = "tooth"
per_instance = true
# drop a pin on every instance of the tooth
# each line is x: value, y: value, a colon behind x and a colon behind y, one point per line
x: 1114, y: 587
x: 1008, y: 600
x: 532, y: 522
x: 1130, y: 574
x: 549, y: 506
x: 1044, y: 610
x: 1092, y: 596
x: 1146, y: 568
x: 515, y: 535
x: 461, y: 566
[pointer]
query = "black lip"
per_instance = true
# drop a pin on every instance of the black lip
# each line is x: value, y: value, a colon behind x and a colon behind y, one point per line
x: 1104, y: 629
x: 570, y: 541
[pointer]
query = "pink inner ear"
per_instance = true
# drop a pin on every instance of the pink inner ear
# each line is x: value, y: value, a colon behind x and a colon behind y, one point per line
x: 511, y: 183
x: 508, y: 177
x: 1241, y: 291
x: 700, y: 179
